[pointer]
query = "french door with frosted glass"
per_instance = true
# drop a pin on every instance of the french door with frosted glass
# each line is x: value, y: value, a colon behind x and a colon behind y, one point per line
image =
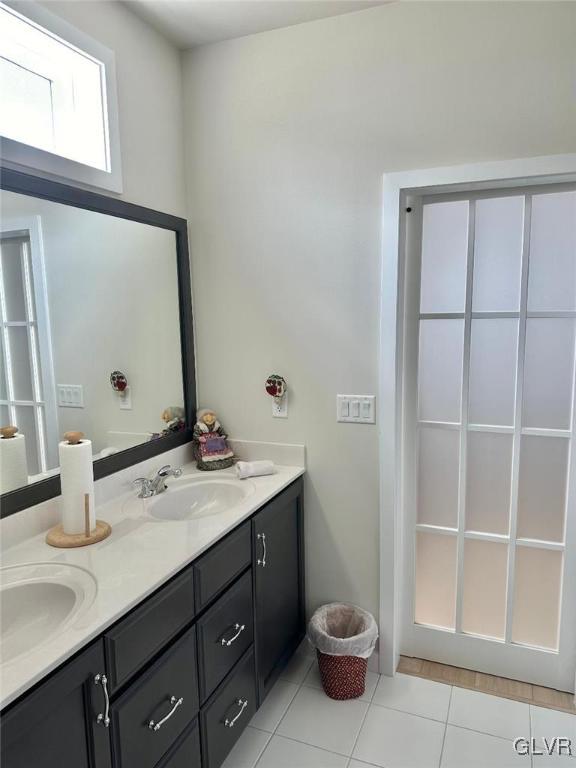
x: 27, y: 388
x: 491, y: 530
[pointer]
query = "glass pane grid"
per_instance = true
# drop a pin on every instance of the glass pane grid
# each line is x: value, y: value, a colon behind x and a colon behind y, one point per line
x: 496, y: 315
x: 493, y: 537
x: 22, y: 403
x: 519, y: 527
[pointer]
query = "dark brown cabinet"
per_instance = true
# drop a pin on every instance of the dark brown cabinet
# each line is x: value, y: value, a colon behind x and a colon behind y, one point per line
x: 225, y: 633
x: 221, y: 565
x: 279, y: 608
x: 228, y: 712
x: 148, y: 718
x: 174, y: 682
x: 186, y: 752
x: 60, y: 724
x: 148, y: 628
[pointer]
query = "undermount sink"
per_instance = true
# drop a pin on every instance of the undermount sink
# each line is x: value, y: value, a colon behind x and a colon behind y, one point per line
x: 193, y: 497
x: 37, y: 602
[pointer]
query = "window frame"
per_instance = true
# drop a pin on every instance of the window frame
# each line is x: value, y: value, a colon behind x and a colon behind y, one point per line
x: 18, y: 156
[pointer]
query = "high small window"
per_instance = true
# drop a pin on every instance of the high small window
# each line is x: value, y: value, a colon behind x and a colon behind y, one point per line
x: 57, y: 100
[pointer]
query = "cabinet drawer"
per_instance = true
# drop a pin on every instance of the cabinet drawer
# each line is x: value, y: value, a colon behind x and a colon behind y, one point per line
x: 186, y: 752
x: 153, y: 697
x: 225, y: 633
x: 219, y: 567
x: 132, y: 642
x: 228, y: 712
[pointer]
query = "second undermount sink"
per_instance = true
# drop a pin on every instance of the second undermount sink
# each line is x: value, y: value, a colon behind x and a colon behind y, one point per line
x: 39, y: 601
x: 193, y: 497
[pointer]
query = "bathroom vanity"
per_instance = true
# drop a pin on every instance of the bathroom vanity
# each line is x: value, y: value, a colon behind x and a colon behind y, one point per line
x: 154, y: 647
x: 174, y: 681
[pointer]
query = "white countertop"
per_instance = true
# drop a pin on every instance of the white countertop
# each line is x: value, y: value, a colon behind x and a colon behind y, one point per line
x: 141, y: 554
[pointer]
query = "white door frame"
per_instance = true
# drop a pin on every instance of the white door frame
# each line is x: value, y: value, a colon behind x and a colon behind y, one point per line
x: 396, y: 188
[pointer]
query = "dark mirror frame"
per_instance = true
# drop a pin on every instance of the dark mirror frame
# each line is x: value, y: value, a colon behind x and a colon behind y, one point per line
x: 33, y: 186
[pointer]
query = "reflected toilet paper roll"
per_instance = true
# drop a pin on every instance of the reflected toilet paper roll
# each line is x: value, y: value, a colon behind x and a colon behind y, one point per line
x: 13, y: 464
x: 77, y: 480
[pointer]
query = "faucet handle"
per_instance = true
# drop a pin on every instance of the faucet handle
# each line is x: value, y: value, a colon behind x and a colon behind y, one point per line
x: 167, y: 471
x: 144, y: 485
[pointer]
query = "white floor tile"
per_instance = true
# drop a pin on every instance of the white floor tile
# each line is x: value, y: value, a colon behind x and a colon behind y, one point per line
x: 468, y: 749
x: 315, y: 719
x: 274, y: 706
x: 489, y: 714
x: 306, y: 648
x: 247, y: 749
x: 313, y: 680
x: 359, y: 764
x: 550, y: 723
x: 284, y: 753
x: 398, y: 740
x: 554, y: 760
x: 297, y: 668
x: 414, y: 695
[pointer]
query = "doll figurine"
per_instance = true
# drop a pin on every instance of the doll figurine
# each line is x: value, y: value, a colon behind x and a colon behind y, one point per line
x: 211, y: 449
x: 173, y: 417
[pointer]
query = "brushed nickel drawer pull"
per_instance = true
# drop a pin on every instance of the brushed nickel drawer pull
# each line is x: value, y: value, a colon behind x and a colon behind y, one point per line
x: 262, y: 538
x: 103, y: 719
x: 239, y: 629
x: 242, y: 703
x: 176, y: 703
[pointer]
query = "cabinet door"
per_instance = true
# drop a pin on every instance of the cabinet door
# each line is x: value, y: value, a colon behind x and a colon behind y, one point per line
x: 56, y: 725
x: 186, y: 752
x: 279, y: 584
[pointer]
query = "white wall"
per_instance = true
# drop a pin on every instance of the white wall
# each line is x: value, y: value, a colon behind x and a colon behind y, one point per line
x: 288, y: 134
x: 108, y: 313
x: 149, y: 78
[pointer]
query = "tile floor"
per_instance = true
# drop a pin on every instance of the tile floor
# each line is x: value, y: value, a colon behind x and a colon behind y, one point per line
x: 498, y: 686
x: 401, y: 722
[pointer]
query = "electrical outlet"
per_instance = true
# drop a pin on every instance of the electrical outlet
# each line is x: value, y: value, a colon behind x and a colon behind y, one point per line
x: 280, y: 407
x: 125, y: 399
x: 356, y: 409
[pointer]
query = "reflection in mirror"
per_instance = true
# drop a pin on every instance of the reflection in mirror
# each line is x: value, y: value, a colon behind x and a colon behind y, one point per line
x: 89, y: 334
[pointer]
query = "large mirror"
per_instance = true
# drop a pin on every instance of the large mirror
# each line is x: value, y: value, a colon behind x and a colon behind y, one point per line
x: 93, y: 334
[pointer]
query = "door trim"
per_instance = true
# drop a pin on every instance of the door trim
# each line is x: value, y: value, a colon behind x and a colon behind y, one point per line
x: 398, y: 187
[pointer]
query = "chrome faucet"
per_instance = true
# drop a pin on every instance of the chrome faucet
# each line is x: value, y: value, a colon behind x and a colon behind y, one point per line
x: 157, y: 484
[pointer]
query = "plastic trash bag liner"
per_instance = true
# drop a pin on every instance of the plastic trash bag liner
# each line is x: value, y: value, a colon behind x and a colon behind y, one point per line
x: 342, y: 629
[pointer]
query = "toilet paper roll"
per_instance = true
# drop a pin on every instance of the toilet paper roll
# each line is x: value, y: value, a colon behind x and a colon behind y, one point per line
x: 13, y: 465
x: 254, y: 468
x: 76, y: 479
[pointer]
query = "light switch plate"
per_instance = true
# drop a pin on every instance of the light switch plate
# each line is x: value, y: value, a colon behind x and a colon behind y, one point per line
x: 356, y: 409
x: 70, y: 396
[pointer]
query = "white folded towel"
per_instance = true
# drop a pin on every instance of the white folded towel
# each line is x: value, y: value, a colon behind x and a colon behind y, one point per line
x: 246, y: 469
